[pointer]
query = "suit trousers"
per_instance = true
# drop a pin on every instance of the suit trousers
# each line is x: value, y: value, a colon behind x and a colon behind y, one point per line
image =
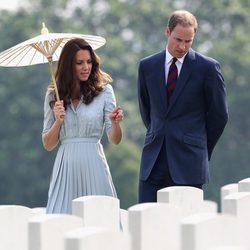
x: 159, y: 178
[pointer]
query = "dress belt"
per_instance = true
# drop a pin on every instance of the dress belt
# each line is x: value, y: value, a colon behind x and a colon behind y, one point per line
x: 80, y: 140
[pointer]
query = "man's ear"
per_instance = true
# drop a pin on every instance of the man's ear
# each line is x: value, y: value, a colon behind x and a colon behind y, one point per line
x: 167, y: 32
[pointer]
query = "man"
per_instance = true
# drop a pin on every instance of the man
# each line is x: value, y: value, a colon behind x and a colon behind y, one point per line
x: 182, y: 101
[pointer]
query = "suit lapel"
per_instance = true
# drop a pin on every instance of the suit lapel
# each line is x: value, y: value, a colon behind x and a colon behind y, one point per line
x: 162, y: 81
x: 183, y: 77
x: 159, y: 77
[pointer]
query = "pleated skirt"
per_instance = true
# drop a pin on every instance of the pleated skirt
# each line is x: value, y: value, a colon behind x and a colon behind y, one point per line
x: 80, y: 169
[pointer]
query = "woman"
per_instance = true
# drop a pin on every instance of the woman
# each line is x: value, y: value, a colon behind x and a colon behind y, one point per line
x: 77, y: 121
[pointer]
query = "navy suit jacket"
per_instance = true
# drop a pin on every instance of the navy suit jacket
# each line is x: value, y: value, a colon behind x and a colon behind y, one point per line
x: 191, y: 124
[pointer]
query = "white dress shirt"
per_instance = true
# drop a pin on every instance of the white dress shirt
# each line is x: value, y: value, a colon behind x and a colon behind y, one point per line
x: 168, y: 62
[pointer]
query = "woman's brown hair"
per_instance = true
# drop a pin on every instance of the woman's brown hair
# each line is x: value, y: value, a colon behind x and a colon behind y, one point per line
x: 65, y: 76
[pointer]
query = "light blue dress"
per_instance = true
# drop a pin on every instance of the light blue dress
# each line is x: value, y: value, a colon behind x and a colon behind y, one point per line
x: 80, y: 167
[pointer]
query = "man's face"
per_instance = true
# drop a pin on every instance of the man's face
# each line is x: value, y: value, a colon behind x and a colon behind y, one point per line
x: 179, y: 40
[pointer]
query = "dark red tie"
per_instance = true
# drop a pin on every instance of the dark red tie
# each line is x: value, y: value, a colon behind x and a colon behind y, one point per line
x: 172, y: 79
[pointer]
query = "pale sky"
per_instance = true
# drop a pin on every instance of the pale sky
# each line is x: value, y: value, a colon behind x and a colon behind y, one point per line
x: 9, y: 4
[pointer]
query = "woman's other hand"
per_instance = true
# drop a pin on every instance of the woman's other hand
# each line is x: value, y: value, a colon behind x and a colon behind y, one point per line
x: 116, y: 115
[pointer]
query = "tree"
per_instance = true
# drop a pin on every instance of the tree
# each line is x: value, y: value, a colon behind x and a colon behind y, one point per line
x: 133, y: 29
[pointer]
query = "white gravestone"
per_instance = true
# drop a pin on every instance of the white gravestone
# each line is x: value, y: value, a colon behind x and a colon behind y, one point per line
x: 38, y: 210
x: 46, y: 231
x: 124, y: 219
x: 189, y: 199
x: 228, y: 189
x: 14, y: 227
x: 98, y: 211
x: 228, y: 248
x: 244, y: 185
x: 97, y: 238
x: 154, y: 226
x: 206, y: 230
x: 238, y: 204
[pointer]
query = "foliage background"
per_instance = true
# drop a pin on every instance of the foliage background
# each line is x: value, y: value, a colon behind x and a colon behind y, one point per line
x: 133, y: 29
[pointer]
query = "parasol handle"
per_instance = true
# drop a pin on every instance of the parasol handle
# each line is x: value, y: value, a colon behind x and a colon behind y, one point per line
x: 53, y: 80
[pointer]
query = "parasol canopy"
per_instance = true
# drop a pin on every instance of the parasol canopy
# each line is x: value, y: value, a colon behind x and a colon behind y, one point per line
x: 44, y: 48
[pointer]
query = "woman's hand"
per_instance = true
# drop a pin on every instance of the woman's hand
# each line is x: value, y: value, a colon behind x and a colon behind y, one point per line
x: 59, y: 111
x: 116, y: 115
x: 50, y: 138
